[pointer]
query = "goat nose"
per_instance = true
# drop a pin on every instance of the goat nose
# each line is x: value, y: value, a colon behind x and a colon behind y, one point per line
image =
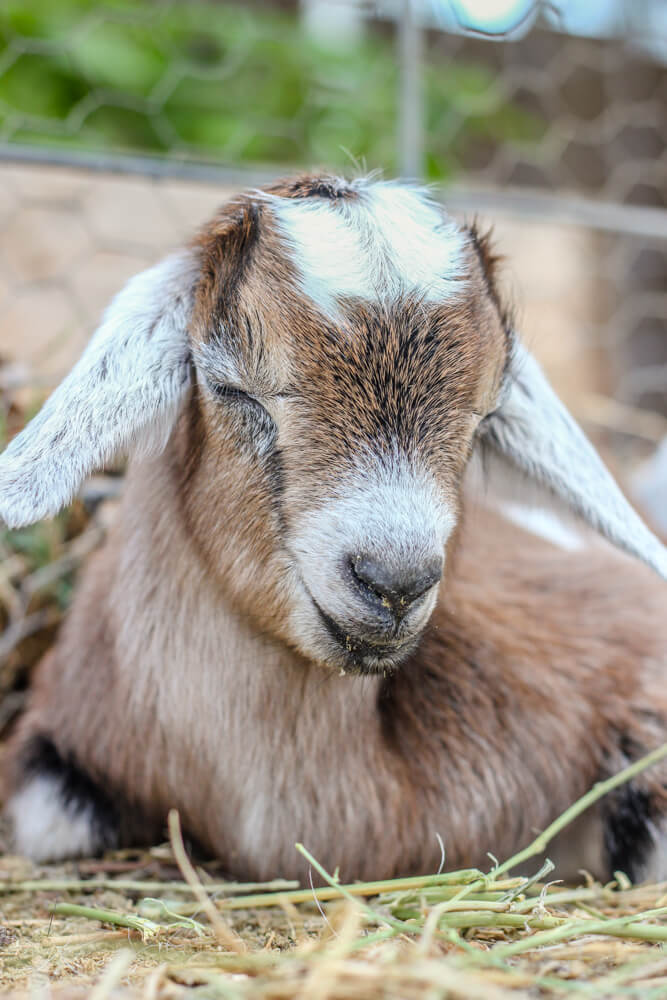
x: 397, y: 589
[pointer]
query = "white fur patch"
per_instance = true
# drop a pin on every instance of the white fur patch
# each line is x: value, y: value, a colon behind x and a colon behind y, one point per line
x: 47, y: 829
x: 654, y: 868
x: 387, y: 241
x: 545, y: 524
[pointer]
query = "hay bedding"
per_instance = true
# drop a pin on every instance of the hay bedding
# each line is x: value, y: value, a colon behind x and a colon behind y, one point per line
x: 404, y: 944
x: 147, y: 924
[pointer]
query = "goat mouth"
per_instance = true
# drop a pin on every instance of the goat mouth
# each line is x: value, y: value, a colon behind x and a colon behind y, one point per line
x: 363, y: 656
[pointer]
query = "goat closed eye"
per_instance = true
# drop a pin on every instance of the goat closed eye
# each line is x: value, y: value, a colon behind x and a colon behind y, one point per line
x: 236, y: 395
x: 256, y: 422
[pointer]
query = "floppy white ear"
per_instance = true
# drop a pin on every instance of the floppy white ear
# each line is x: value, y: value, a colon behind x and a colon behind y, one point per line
x: 534, y: 432
x: 132, y: 376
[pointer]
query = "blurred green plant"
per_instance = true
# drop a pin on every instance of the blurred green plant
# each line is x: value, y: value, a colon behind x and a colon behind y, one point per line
x: 226, y: 82
x: 39, y: 546
x: 42, y: 544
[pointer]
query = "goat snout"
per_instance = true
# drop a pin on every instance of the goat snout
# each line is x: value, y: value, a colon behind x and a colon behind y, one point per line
x: 392, y: 589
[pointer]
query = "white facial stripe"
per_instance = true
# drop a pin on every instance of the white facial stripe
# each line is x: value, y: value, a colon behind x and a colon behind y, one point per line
x: 388, y: 241
x: 425, y: 250
x: 545, y: 524
x: 327, y: 251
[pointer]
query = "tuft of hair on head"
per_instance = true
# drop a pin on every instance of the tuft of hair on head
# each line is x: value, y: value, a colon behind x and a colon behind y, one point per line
x: 491, y: 263
x: 326, y: 186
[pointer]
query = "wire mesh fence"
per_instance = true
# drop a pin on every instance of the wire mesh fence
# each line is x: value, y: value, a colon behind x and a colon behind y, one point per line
x: 251, y: 84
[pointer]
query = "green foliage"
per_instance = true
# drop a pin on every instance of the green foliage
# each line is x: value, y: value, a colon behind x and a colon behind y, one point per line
x: 35, y: 542
x: 40, y: 545
x: 225, y: 82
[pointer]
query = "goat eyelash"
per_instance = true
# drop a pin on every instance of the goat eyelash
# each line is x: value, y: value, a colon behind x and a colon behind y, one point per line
x: 255, y: 416
x: 232, y: 393
x: 229, y: 391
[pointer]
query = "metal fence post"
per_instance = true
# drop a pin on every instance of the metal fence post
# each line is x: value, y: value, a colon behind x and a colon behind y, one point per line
x: 410, y: 97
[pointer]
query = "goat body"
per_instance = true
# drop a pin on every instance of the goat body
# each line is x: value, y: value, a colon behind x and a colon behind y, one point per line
x: 265, y: 641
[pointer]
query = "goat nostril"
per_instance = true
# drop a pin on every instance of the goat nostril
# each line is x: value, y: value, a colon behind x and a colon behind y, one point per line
x: 396, y: 590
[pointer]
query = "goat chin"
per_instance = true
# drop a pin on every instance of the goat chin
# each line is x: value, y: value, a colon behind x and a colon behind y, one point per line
x: 313, y: 619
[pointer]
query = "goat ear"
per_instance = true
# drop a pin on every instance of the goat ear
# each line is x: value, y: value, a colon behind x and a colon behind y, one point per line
x: 129, y: 380
x: 534, y: 432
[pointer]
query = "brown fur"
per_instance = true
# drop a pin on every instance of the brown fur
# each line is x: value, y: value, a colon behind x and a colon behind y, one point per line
x: 178, y: 679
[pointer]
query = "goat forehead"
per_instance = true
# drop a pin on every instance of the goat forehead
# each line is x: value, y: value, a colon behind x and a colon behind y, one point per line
x: 387, y: 241
x: 407, y: 381
x: 407, y: 351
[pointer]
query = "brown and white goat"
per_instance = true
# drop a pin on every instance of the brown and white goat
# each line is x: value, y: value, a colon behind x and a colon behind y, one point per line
x: 304, y: 626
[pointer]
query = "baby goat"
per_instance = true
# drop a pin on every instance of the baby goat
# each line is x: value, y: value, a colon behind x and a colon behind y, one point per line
x: 304, y: 626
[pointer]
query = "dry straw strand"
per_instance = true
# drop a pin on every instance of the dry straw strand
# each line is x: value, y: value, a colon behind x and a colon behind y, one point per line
x: 223, y: 932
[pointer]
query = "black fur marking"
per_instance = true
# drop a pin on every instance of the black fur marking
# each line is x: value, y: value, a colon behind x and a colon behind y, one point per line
x: 627, y: 834
x: 114, y: 822
x: 78, y: 791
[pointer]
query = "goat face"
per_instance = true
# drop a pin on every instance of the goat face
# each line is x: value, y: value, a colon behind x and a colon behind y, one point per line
x: 346, y: 348
x: 321, y: 360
